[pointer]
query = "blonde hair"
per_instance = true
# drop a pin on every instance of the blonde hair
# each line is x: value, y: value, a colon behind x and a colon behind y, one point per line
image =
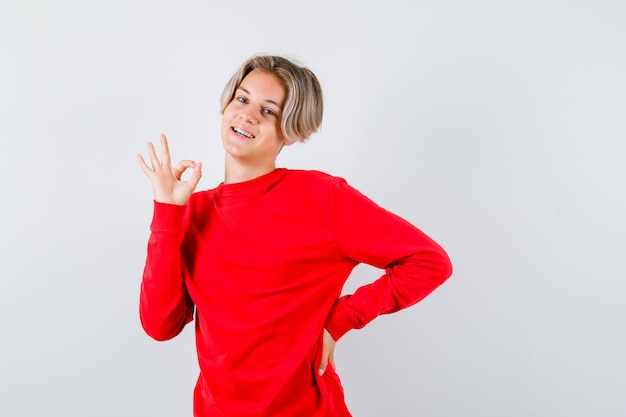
x: 303, y: 110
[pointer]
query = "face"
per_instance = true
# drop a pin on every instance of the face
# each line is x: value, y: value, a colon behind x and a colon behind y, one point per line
x: 251, y: 132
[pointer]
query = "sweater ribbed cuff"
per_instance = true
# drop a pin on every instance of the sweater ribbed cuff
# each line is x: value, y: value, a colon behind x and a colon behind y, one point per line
x: 338, y: 322
x: 167, y: 218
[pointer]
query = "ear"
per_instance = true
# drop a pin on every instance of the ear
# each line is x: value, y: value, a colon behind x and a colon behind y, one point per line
x: 288, y: 142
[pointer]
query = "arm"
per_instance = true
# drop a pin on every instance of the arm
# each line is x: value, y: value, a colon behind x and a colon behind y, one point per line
x: 164, y: 305
x: 414, y: 264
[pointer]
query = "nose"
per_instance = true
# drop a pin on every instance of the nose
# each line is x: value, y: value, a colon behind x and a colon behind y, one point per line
x: 248, y: 115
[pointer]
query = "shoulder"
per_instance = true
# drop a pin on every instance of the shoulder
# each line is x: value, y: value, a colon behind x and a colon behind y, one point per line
x: 310, y: 178
x: 200, y: 199
x: 309, y: 174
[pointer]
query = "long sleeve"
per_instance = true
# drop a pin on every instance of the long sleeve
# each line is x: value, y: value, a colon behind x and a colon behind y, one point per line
x: 164, y: 305
x: 414, y: 264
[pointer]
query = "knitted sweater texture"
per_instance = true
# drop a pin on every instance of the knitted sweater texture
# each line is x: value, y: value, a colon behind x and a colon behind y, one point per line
x: 260, y: 265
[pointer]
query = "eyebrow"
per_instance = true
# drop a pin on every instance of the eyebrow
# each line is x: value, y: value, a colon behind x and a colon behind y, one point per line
x: 267, y: 100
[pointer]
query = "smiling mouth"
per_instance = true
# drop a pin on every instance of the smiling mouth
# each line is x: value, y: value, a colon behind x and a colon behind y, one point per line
x: 243, y: 133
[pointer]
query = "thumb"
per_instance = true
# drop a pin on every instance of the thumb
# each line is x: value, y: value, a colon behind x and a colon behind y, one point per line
x: 328, y: 348
x: 195, y: 176
x: 323, y: 363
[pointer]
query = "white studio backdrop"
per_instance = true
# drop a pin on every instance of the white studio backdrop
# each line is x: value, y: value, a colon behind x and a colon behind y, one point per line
x: 496, y: 127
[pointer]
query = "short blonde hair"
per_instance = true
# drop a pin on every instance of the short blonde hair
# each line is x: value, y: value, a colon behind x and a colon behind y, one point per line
x: 304, y: 108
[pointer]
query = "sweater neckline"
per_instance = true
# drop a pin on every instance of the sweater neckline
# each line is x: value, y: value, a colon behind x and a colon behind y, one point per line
x: 245, y: 191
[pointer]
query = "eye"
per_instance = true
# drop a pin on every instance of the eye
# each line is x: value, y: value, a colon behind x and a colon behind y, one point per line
x: 269, y: 112
x: 242, y: 99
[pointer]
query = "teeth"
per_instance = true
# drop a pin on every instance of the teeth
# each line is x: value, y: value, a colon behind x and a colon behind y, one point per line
x: 242, y: 132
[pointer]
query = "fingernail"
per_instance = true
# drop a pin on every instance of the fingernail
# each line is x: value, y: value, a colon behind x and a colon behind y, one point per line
x: 320, y: 372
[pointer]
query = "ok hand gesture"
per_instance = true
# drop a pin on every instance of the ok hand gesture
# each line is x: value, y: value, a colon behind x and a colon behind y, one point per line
x: 167, y: 185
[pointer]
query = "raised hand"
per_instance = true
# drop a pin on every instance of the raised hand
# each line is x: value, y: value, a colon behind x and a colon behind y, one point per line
x: 167, y: 185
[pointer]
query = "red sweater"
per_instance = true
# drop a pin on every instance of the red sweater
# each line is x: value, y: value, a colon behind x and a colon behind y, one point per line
x: 264, y: 262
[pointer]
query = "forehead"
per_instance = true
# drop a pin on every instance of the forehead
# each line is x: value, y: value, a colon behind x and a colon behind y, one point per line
x: 264, y: 86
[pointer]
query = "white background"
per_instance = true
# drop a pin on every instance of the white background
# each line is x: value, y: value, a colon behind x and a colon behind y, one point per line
x: 496, y: 127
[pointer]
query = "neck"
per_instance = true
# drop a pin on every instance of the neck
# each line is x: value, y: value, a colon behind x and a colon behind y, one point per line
x: 237, y: 171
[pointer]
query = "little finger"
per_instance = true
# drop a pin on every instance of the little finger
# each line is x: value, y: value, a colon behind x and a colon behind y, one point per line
x: 144, y: 167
